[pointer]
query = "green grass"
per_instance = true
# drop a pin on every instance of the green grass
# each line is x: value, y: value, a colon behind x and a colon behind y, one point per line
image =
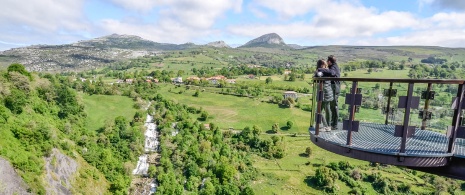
x: 239, y: 112
x: 363, y: 73
x: 100, y: 108
x: 287, y: 175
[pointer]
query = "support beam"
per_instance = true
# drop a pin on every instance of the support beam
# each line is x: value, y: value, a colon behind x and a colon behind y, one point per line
x: 406, y: 118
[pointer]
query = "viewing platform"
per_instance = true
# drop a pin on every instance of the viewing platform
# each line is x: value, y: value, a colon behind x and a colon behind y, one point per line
x: 415, y: 123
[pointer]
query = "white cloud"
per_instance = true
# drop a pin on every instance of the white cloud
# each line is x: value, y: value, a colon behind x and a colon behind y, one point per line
x: 290, y: 8
x: 440, y: 37
x: 165, y: 32
x: 448, y: 20
x: 41, y: 22
x: 138, y: 5
x: 178, y: 21
x: 193, y: 13
x: 349, y: 21
x: 42, y: 16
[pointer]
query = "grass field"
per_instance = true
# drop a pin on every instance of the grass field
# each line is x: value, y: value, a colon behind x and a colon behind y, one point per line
x: 239, y: 112
x: 289, y: 175
x: 100, y: 108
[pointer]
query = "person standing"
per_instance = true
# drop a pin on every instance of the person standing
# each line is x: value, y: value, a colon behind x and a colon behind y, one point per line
x: 333, y: 71
x: 327, y: 97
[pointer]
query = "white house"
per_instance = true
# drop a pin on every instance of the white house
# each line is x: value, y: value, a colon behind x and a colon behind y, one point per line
x: 291, y: 94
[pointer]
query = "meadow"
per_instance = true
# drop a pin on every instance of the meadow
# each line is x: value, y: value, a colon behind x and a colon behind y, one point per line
x: 291, y: 174
x: 101, y: 108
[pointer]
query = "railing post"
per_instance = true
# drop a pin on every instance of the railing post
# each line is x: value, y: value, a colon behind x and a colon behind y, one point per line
x: 425, y: 109
x: 388, y: 104
x: 312, y: 113
x: 406, y: 118
x: 319, y: 98
x: 351, y: 112
x: 456, y: 119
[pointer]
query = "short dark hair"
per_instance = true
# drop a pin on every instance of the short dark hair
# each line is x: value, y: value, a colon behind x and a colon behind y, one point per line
x: 332, y: 59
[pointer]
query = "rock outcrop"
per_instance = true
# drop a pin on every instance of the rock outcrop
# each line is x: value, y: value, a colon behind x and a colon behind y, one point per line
x: 268, y: 40
x: 10, y: 181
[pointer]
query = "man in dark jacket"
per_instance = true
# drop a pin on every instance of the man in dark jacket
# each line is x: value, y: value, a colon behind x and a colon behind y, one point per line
x: 333, y: 71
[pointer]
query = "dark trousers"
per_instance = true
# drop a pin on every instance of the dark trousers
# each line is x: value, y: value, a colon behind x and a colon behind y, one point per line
x: 333, y: 106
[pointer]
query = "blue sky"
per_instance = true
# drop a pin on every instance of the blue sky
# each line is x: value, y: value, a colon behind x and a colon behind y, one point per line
x: 303, y: 22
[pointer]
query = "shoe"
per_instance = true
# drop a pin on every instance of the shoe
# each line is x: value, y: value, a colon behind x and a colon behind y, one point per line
x: 322, y: 129
x: 333, y: 128
x: 328, y: 128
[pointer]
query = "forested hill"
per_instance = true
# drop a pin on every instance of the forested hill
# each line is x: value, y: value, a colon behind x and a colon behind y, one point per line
x: 43, y: 135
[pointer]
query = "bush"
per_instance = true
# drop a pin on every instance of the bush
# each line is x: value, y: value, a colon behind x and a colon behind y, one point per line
x: 289, y: 124
x: 326, y: 178
x: 308, y: 151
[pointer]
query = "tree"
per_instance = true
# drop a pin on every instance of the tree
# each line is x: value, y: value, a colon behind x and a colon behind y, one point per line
x: 326, y: 178
x: 15, y: 101
x: 268, y: 80
x: 197, y: 92
x: 208, y: 188
x: 204, y: 115
x: 152, y: 171
x: 19, y: 68
x: 292, y: 77
x: 308, y: 151
x: 289, y: 124
x: 275, y: 128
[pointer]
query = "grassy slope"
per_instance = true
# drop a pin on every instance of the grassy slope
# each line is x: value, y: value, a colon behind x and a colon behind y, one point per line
x: 287, y: 175
x: 239, y: 112
x: 100, y: 108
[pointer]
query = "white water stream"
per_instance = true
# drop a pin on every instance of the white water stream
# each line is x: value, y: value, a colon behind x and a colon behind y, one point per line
x: 151, y: 145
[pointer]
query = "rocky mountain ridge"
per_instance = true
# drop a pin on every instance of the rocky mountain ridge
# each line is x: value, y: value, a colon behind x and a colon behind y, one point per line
x: 267, y: 40
x: 219, y: 44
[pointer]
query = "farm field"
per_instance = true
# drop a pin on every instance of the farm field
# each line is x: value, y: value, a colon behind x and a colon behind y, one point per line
x: 100, y: 108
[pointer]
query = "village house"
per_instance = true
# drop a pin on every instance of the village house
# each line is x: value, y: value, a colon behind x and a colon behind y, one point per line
x: 193, y: 78
x: 287, y: 72
x: 291, y: 94
x: 176, y: 80
x: 129, y: 81
x: 215, y: 79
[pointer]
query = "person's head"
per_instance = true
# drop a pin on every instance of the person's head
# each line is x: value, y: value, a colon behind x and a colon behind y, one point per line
x: 331, y: 60
x: 321, y: 64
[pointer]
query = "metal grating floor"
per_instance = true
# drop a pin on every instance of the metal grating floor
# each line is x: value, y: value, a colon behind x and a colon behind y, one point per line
x: 379, y: 138
x: 460, y: 148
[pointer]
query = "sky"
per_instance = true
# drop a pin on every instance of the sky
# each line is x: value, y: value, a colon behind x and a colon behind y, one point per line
x: 303, y: 22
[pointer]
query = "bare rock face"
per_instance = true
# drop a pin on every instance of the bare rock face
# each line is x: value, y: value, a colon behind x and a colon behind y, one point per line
x: 59, y: 171
x: 220, y: 44
x: 10, y: 181
x: 268, y: 40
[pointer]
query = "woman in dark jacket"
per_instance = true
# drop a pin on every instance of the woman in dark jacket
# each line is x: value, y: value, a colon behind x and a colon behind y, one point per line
x: 327, y: 96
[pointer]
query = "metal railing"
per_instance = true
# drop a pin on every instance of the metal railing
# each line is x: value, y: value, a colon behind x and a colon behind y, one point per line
x: 377, y: 99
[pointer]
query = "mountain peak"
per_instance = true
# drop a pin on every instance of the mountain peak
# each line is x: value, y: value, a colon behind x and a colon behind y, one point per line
x: 220, y: 44
x: 267, y: 40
